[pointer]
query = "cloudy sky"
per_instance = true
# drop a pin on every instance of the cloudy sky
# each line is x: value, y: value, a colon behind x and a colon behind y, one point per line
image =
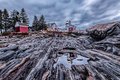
x: 83, y: 13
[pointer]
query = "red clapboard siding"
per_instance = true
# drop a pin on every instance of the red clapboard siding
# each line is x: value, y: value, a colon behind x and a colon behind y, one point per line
x: 23, y: 29
x: 17, y: 29
x: 71, y: 29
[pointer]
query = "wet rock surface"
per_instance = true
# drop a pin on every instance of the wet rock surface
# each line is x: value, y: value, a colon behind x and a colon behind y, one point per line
x: 60, y: 58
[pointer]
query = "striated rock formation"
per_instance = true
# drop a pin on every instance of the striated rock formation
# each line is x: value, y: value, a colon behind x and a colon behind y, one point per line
x: 59, y: 58
x: 101, y: 31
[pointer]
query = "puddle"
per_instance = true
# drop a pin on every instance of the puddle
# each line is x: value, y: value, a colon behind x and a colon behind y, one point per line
x: 80, y: 60
x: 63, y: 60
x: 68, y: 61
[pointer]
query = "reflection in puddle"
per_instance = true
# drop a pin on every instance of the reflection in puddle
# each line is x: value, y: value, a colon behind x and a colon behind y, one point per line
x: 80, y: 60
x: 63, y: 60
x: 68, y: 61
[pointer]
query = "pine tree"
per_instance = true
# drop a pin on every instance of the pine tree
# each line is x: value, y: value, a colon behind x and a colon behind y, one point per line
x: 24, y: 17
x: 5, y: 14
x: 1, y: 26
x: 15, y: 16
x: 35, y: 23
x: 42, y: 23
x: 5, y: 19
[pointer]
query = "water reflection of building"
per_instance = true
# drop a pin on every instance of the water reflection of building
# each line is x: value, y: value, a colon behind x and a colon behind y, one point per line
x: 70, y: 52
x: 69, y: 56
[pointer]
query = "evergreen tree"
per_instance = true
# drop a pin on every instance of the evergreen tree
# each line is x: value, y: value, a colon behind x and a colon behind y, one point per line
x: 35, y: 23
x: 24, y: 17
x: 1, y: 26
x: 15, y: 18
x: 5, y: 19
x: 5, y: 14
x: 42, y: 23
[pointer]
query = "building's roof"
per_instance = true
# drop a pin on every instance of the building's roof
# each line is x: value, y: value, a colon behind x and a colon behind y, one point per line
x: 103, y: 27
x: 53, y: 25
x: 20, y: 24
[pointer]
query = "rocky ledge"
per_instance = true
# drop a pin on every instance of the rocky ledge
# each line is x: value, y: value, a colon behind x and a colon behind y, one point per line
x: 60, y: 58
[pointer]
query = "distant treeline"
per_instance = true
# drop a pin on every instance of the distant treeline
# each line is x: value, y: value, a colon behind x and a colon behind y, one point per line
x: 8, y: 20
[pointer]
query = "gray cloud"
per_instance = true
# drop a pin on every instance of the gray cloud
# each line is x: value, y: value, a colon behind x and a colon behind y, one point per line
x: 83, y: 13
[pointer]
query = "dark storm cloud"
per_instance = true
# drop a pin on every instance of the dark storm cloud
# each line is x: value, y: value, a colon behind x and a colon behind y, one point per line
x: 83, y: 13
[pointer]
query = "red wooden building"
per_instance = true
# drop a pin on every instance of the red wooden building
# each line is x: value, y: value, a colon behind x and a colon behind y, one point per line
x: 21, y: 27
x: 71, y: 28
